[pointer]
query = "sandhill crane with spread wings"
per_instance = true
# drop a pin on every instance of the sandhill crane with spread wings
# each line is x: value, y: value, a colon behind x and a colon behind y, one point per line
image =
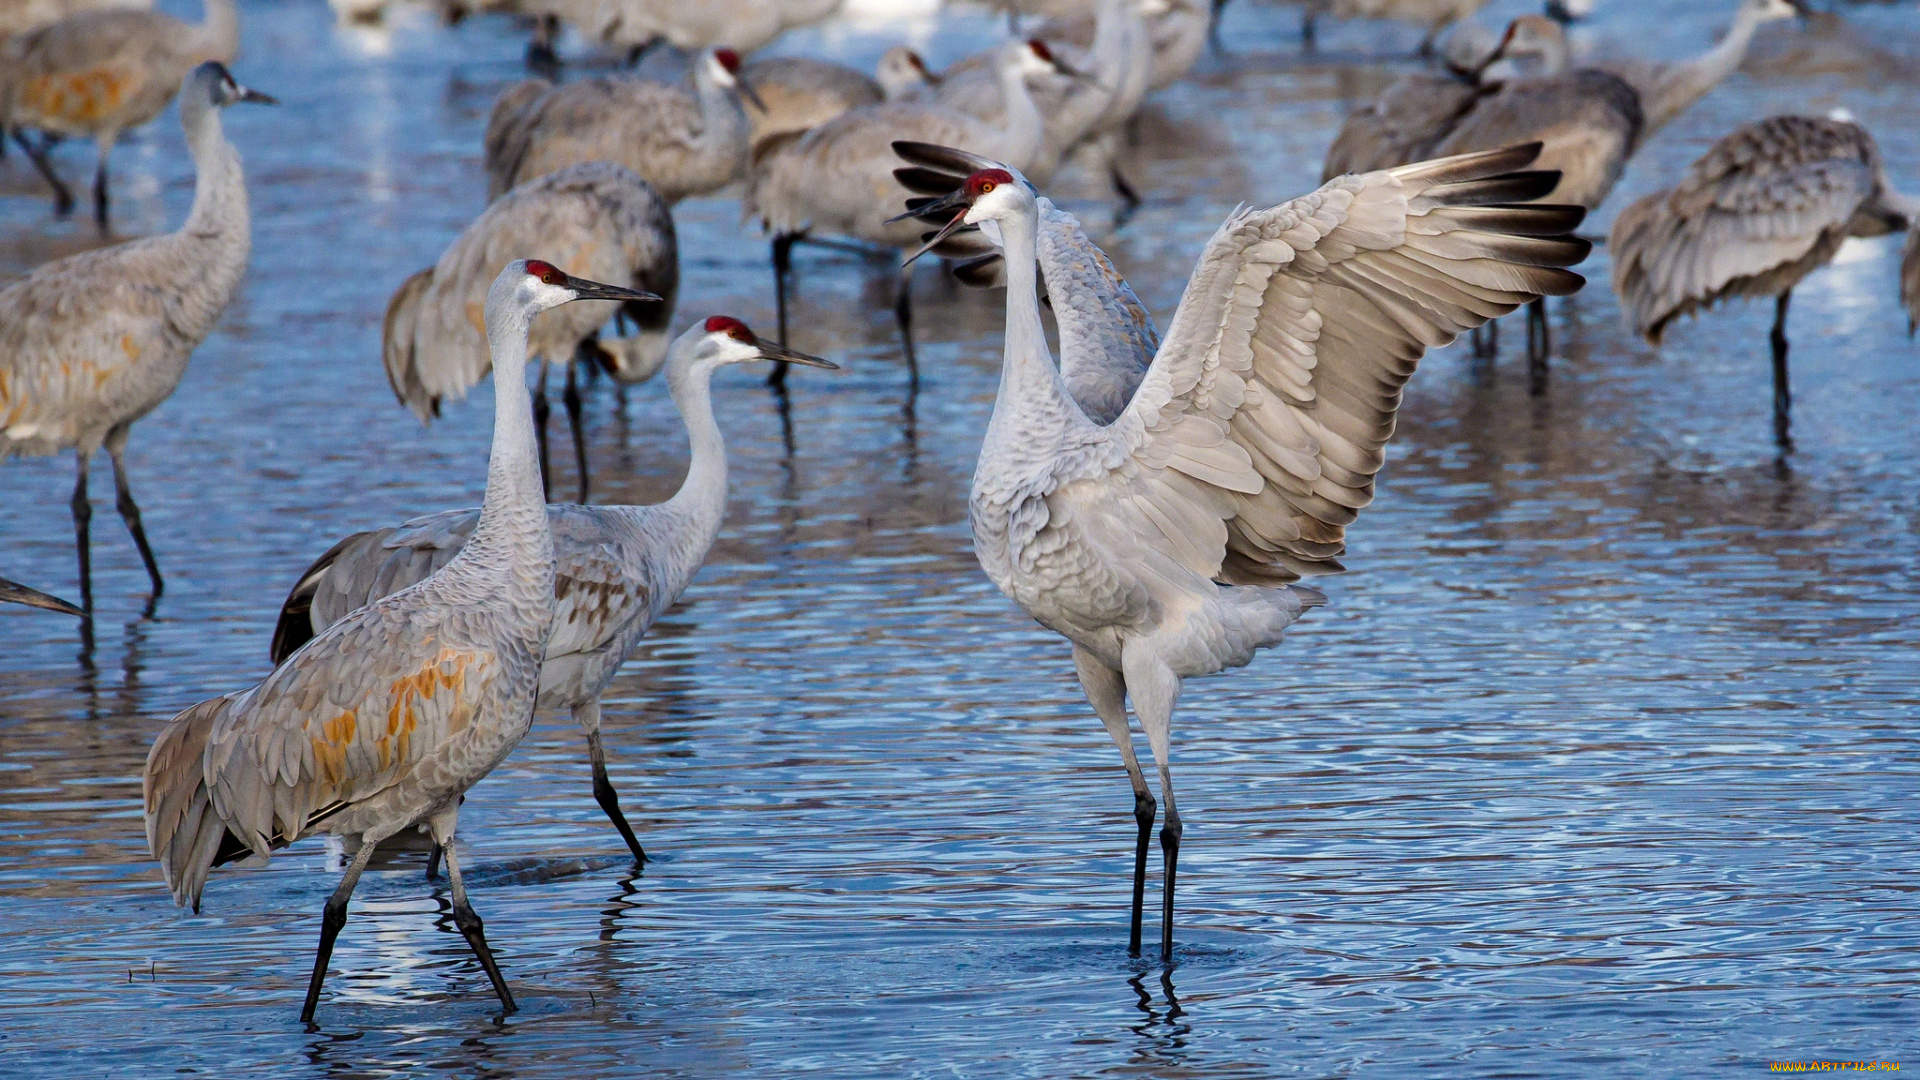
x: 1165, y: 545
x: 91, y: 343
x: 101, y: 73
x: 1759, y: 211
x: 382, y: 722
x: 619, y: 567
x: 595, y: 220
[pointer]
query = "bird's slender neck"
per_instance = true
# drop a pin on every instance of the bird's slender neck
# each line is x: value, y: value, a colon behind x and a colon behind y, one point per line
x: 1025, y: 129
x: 1033, y: 402
x: 513, y: 519
x: 219, y: 187
x: 219, y: 31
x: 721, y: 117
x: 701, y: 501
x: 1690, y: 80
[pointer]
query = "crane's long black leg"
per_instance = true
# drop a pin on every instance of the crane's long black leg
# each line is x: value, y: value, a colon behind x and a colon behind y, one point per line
x: 588, y: 717
x: 541, y: 57
x: 571, y: 398
x: 1486, y: 339
x: 129, y: 511
x: 332, y: 918
x: 1539, y: 346
x: 1155, y: 689
x: 1129, y: 198
x: 1170, y: 850
x: 1309, y: 38
x: 100, y: 188
x: 433, y: 862
x: 1107, y: 692
x: 473, y: 930
x: 82, y: 516
x: 903, y: 314
x: 782, y: 267
x: 541, y: 410
x: 1782, y: 391
x: 62, y: 194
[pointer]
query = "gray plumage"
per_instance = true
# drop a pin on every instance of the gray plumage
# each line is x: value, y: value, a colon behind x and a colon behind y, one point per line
x: 1162, y: 544
x: 91, y: 343
x: 617, y: 567
x: 744, y: 25
x: 384, y: 720
x: 100, y: 73
x: 595, y: 220
x: 683, y: 143
x: 1176, y: 30
x: 800, y: 92
x: 21, y: 16
x: 1764, y: 207
x: 837, y: 179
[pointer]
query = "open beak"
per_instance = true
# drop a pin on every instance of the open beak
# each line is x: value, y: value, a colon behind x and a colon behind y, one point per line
x: 594, y: 290
x: 747, y: 91
x: 255, y: 96
x: 771, y: 351
x: 933, y: 211
x: 14, y: 592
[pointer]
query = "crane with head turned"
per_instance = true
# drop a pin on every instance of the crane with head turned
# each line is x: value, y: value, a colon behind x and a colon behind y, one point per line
x: 383, y: 721
x: 1167, y: 543
x: 617, y: 567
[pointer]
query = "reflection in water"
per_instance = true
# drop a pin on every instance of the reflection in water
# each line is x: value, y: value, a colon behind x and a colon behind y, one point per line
x: 1605, y: 741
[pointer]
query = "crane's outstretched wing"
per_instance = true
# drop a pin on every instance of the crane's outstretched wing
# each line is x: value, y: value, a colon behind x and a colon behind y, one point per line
x: 594, y: 596
x: 1767, y: 198
x: 1254, y: 440
x: 1107, y: 336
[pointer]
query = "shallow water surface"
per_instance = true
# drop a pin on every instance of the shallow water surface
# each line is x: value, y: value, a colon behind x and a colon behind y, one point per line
x: 1600, y: 762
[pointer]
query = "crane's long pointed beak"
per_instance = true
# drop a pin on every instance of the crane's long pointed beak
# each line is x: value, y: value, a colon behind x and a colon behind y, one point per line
x: 792, y: 356
x: 959, y: 222
x: 248, y: 93
x: 933, y: 209
x: 14, y: 592
x: 747, y: 91
x: 594, y: 290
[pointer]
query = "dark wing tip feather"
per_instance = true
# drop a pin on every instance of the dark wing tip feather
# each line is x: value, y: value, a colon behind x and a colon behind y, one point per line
x: 942, y: 158
x: 927, y: 181
x: 983, y: 272
x: 1472, y: 166
x: 295, y: 627
x: 1516, y: 187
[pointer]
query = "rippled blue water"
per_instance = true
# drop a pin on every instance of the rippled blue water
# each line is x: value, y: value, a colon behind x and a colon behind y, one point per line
x: 1601, y: 761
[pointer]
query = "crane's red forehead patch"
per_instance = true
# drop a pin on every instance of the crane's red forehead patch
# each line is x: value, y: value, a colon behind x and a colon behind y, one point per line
x: 1040, y: 49
x: 986, y: 180
x: 728, y: 59
x: 546, y: 272
x: 733, y: 328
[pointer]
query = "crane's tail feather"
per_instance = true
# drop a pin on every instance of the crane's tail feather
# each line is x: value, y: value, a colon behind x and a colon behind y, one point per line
x: 183, y: 832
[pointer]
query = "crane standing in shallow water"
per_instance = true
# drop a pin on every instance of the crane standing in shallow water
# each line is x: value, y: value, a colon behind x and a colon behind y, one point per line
x: 91, y: 343
x: 101, y: 73
x: 382, y: 722
x: 618, y: 567
x: 595, y: 220
x: 1164, y: 544
x: 1764, y: 207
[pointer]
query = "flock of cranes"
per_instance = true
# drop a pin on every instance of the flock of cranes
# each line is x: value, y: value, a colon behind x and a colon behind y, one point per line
x: 1157, y: 501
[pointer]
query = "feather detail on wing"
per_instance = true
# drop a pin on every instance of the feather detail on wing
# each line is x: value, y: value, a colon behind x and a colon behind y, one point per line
x: 343, y: 719
x: 1761, y: 208
x: 1254, y: 439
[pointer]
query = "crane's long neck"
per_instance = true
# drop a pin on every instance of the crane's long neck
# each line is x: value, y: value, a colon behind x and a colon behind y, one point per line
x: 722, y: 121
x: 219, y: 32
x: 1033, y: 410
x: 513, y: 521
x: 701, y: 503
x: 219, y: 186
x: 1025, y: 131
x: 1679, y: 86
